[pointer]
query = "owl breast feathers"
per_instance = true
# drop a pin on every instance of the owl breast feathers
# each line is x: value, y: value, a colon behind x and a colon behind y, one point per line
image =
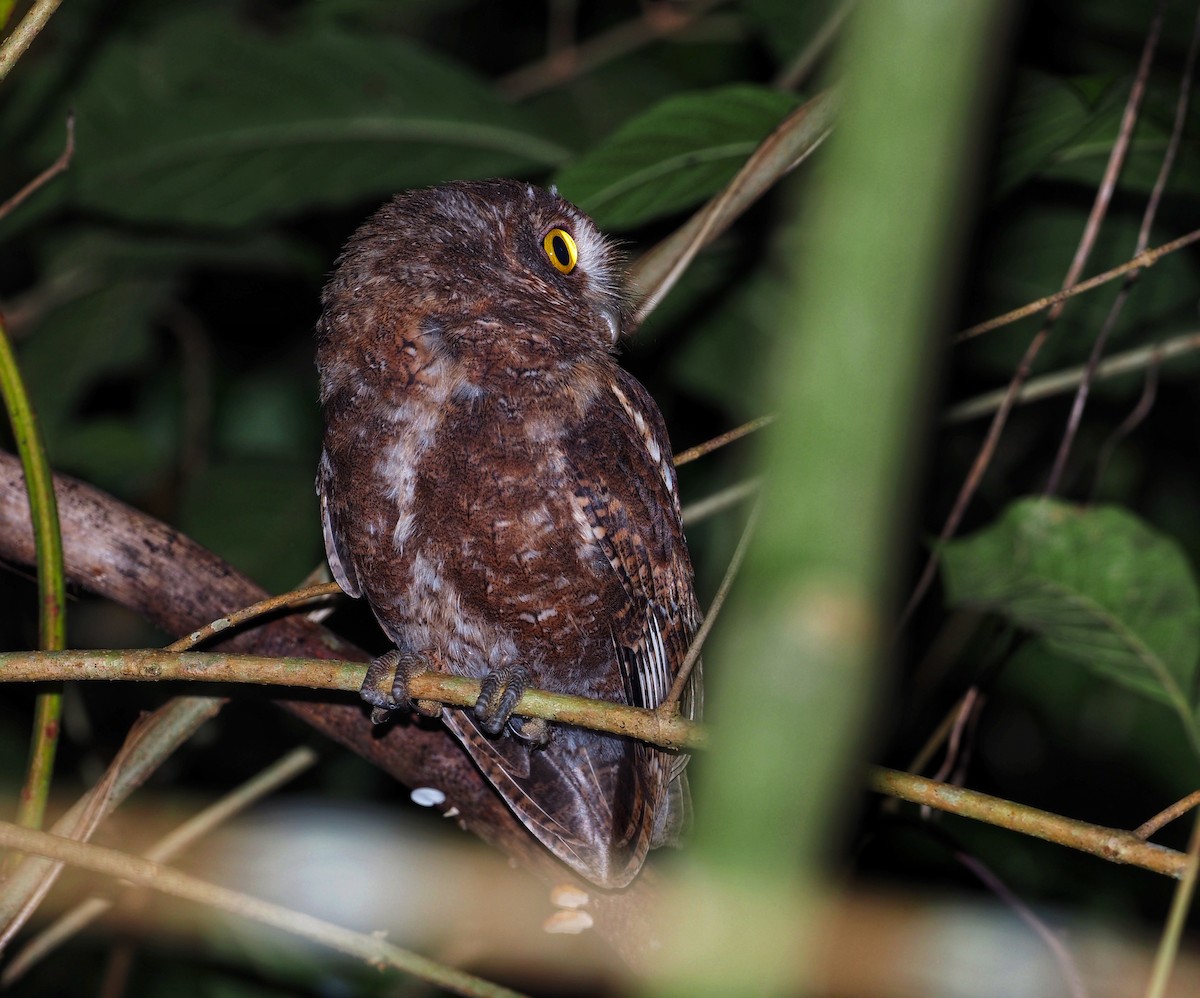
x: 503, y: 496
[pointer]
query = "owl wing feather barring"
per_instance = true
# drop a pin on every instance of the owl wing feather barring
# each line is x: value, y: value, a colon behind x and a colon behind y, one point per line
x: 502, y: 494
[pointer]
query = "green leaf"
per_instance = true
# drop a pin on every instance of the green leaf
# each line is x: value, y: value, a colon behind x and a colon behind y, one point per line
x: 211, y: 123
x: 675, y: 155
x: 106, y: 255
x: 1100, y: 586
x: 1044, y: 116
x: 1064, y: 130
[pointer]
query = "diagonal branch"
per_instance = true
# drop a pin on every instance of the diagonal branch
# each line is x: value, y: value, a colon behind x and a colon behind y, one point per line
x: 1083, y: 251
x: 1113, y: 844
x: 154, y: 570
x: 146, y: 873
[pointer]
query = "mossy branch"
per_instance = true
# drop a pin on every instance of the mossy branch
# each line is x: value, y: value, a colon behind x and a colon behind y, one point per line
x: 1113, y: 844
x: 665, y: 727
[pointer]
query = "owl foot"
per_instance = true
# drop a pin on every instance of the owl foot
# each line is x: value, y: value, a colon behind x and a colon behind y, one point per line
x: 386, y: 686
x: 534, y: 730
x: 498, y: 696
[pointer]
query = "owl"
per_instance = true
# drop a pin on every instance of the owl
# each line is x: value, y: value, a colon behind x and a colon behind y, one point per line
x: 503, y: 496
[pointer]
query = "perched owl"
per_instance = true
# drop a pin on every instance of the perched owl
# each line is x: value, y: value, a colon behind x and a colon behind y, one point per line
x: 503, y: 495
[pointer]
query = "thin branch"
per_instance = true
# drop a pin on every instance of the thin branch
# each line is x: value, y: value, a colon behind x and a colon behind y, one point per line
x: 1087, y: 241
x: 658, y: 20
x: 327, y: 674
x: 1147, y: 258
x: 1145, y: 404
x: 964, y: 710
x: 718, y: 502
x: 1113, y: 844
x: 1062, y: 956
x: 798, y: 70
x: 1168, y: 947
x: 48, y: 174
x: 145, y: 873
x: 710, y: 618
x: 1061, y: 382
x: 24, y: 33
x: 1166, y: 816
x: 716, y: 443
x: 284, y: 601
x: 1143, y: 238
x: 796, y: 138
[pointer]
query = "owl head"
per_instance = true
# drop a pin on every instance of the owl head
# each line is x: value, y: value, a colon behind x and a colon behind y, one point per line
x: 499, y: 273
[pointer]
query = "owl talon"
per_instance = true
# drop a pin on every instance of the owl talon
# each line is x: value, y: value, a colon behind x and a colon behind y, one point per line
x: 534, y: 730
x: 386, y: 686
x: 498, y: 696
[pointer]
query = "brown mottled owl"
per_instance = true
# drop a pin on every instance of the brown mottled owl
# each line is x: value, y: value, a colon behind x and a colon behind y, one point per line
x: 503, y: 495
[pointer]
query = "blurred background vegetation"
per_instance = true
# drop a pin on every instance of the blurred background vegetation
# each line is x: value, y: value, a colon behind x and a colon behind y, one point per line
x: 162, y: 294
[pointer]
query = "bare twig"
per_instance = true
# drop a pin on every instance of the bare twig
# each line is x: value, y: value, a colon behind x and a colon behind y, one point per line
x: 965, y: 708
x: 657, y: 20
x: 1061, y: 382
x: 1165, y: 817
x: 1062, y: 956
x: 1112, y: 844
x: 289, y: 600
x: 716, y: 443
x: 710, y: 618
x: 1181, y: 901
x: 720, y: 501
x: 1083, y: 251
x: 1147, y: 258
x: 48, y: 174
x: 1143, y: 238
x: 798, y: 70
x: 1145, y: 404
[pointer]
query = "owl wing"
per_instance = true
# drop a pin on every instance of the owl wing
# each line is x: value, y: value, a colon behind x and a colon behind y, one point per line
x: 600, y: 802
x: 340, y: 564
x: 634, y: 514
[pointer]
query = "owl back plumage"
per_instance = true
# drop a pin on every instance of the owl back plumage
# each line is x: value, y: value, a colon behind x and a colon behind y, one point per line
x: 502, y: 493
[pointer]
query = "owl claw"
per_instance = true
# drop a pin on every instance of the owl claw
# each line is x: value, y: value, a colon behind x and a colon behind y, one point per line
x: 534, y: 730
x: 386, y: 685
x: 498, y: 696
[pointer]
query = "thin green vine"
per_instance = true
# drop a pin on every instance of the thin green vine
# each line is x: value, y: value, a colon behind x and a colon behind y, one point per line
x: 51, y: 587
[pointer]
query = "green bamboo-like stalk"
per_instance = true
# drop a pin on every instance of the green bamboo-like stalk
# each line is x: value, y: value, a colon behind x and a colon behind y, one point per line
x: 800, y: 658
x: 39, y: 484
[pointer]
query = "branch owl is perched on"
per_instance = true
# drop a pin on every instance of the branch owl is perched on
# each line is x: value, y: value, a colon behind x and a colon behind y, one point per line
x: 503, y: 495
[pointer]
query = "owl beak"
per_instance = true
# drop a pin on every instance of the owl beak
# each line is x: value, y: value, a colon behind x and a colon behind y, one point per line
x: 612, y: 319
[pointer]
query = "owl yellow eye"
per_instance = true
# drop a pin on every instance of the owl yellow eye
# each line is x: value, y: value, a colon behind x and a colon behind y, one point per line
x: 561, y: 250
